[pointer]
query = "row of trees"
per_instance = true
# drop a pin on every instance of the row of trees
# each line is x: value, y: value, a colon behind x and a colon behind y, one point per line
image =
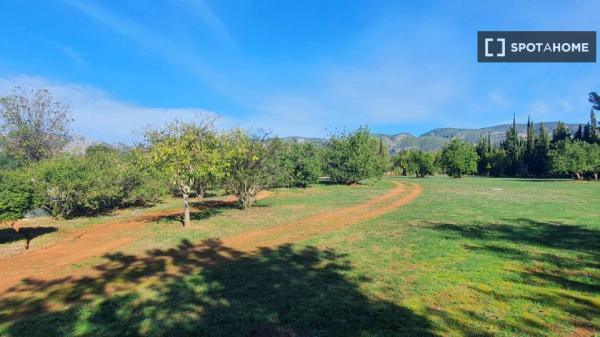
x: 185, y: 159
x: 535, y: 154
x: 456, y: 159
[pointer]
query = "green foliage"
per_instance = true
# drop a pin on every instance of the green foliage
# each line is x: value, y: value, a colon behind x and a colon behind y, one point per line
x: 16, y: 195
x: 280, y: 164
x: 561, y: 132
x: 514, y: 149
x: 248, y: 165
x: 352, y: 157
x: 306, y: 163
x: 104, y: 179
x: 189, y: 155
x: 459, y: 158
x: 419, y: 163
x: 541, y: 164
x: 8, y: 162
x: 577, y: 158
x: 187, y: 152
x: 33, y: 125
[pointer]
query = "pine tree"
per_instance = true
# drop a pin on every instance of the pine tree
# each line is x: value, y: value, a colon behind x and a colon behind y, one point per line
x: 489, y: 143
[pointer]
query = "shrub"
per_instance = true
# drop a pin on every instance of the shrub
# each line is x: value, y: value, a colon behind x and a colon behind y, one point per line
x: 104, y: 179
x: 459, y: 158
x: 16, y: 195
x: 306, y: 164
x: 353, y: 157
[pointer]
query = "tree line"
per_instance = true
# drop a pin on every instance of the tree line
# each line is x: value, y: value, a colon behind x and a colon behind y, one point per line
x: 536, y: 154
x: 183, y: 159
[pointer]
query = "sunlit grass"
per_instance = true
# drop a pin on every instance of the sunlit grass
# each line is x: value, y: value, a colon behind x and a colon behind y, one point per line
x: 468, y: 257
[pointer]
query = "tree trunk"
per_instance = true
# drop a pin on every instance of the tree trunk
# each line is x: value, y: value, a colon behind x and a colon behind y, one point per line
x: 577, y: 176
x: 186, y: 210
x: 596, y: 176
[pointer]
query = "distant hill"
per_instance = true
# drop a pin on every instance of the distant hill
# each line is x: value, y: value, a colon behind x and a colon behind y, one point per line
x: 436, y: 138
x: 77, y: 145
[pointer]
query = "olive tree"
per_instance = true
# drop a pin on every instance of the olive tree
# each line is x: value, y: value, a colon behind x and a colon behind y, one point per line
x: 189, y: 154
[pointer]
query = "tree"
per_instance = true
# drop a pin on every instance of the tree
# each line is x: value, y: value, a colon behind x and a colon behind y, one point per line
x: 512, y: 145
x: 34, y: 125
x: 280, y: 164
x: 16, y: 195
x: 572, y: 157
x: 248, y: 166
x: 423, y: 163
x: 402, y: 162
x: 189, y: 154
x: 459, y: 158
x: 352, y: 157
x: 594, y: 98
x: 579, y: 133
x: 306, y: 163
x: 561, y: 132
x: 541, y: 152
x: 529, y: 155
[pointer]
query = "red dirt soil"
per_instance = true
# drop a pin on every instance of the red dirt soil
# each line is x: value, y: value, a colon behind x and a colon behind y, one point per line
x: 95, y: 241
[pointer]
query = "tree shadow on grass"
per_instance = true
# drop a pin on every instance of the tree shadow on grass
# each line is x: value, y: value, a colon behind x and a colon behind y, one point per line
x: 208, y: 290
x: 8, y: 235
x: 202, y: 210
x: 559, y: 263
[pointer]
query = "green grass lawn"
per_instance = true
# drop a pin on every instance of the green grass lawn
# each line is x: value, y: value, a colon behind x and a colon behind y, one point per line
x: 469, y: 257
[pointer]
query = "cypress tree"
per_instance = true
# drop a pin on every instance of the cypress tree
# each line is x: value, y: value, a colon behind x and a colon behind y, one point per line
x: 561, y: 132
x: 587, y: 133
x: 579, y: 133
x: 381, y: 151
x: 512, y: 147
x: 542, y: 149
x: 593, y: 127
x: 529, y: 146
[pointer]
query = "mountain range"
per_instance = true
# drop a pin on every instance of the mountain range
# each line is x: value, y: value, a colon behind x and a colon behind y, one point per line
x: 436, y: 138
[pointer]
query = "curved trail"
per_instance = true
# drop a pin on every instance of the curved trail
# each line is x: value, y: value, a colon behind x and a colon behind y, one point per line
x: 94, y: 241
x: 324, y: 222
x: 100, y: 239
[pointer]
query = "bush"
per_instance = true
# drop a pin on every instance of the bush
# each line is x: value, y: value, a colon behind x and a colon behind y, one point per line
x: 16, y: 195
x: 306, y: 164
x: 350, y: 158
x: 459, y: 158
x: 104, y: 179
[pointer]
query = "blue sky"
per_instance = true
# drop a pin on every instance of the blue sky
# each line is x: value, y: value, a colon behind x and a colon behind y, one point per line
x: 292, y: 67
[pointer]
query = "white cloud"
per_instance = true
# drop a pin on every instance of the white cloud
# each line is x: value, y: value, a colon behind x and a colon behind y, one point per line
x: 98, y: 115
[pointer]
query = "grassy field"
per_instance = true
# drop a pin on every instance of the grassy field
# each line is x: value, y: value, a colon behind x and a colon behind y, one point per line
x: 468, y: 257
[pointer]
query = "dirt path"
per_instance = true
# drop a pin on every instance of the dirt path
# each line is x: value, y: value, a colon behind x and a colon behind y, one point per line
x: 103, y: 238
x: 93, y: 241
x: 324, y: 222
